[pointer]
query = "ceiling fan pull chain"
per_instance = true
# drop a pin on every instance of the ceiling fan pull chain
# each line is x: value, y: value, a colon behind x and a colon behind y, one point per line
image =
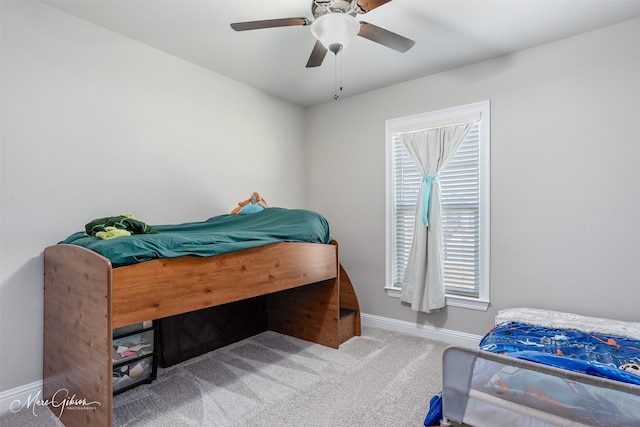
x: 340, y: 66
x: 337, y: 75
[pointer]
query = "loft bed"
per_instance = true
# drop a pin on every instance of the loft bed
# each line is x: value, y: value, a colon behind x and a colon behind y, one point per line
x: 86, y: 294
x: 545, y: 368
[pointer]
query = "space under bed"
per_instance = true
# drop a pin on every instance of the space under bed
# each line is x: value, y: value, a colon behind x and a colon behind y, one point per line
x: 544, y: 368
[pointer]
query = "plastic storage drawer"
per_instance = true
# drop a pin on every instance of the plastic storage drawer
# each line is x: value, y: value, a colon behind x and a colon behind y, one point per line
x: 127, y: 375
x: 133, y: 346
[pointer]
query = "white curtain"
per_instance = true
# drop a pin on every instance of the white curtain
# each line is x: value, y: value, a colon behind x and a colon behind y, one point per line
x: 430, y: 149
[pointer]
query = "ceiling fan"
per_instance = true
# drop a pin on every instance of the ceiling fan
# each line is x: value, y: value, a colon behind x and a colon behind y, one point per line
x: 334, y: 25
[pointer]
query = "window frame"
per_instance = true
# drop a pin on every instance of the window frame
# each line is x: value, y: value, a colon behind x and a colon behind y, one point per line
x: 432, y: 119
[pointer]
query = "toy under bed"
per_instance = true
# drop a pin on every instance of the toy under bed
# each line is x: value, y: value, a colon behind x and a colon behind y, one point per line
x: 544, y: 368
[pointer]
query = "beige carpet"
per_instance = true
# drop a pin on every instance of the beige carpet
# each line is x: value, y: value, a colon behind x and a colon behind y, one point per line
x: 379, y: 379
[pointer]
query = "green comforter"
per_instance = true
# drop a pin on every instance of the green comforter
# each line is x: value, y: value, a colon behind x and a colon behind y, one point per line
x: 217, y: 235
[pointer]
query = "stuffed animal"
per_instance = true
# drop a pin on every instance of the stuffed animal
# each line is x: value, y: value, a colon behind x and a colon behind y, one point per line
x: 634, y: 368
x: 255, y: 203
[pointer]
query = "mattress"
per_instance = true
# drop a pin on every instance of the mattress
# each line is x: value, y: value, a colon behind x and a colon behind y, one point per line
x: 214, y: 236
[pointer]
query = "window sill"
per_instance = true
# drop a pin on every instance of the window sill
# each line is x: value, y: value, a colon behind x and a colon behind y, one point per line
x: 452, y: 300
x: 393, y: 292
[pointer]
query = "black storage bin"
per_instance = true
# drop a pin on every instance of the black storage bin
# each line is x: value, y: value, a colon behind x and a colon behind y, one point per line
x: 191, y: 334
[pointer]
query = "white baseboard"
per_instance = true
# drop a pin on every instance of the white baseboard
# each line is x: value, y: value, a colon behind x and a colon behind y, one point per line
x: 20, y: 394
x: 448, y: 336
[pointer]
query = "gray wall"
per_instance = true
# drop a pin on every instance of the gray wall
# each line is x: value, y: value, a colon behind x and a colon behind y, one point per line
x: 565, y: 175
x: 95, y: 124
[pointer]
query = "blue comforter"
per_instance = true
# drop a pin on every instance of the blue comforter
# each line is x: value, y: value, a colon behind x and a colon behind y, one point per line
x: 594, y: 354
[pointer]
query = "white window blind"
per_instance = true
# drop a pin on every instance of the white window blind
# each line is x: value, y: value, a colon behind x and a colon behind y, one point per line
x: 460, y: 199
x: 459, y: 183
x: 407, y: 181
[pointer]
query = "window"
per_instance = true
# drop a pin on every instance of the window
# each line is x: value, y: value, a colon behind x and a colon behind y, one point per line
x: 465, y: 187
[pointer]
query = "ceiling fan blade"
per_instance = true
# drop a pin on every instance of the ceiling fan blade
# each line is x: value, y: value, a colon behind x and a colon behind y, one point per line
x: 385, y: 37
x: 368, y: 5
x: 317, y: 55
x: 269, y: 23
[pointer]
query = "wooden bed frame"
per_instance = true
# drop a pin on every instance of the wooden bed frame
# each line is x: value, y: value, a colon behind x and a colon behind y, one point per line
x: 308, y: 295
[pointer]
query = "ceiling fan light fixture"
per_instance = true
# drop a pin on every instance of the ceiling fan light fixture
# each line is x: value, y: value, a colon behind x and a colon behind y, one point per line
x: 335, y: 30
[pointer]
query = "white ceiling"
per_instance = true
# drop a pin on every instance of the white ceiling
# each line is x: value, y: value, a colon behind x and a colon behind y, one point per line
x: 448, y: 34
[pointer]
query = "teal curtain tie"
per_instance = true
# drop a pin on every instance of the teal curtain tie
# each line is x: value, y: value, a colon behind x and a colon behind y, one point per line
x: 428, y: 180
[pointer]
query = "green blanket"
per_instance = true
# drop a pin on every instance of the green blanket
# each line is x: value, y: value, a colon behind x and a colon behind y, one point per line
x: 217, y: 235
x: 121, y: 222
